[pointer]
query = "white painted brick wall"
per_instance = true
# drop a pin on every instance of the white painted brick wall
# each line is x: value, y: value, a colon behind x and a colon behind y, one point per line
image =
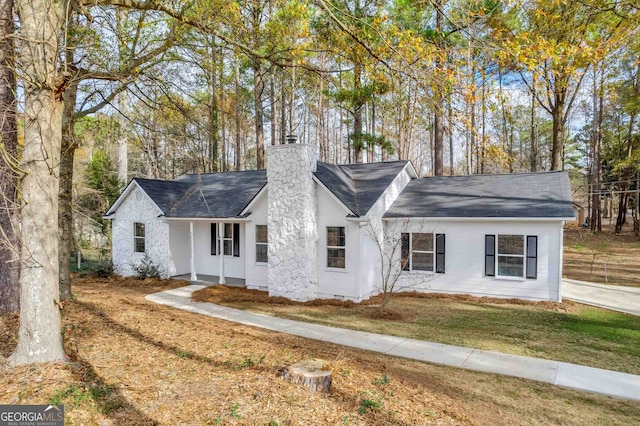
x: 292, y: 221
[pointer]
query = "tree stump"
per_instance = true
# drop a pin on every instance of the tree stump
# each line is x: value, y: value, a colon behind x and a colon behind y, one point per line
x: 314, y: 374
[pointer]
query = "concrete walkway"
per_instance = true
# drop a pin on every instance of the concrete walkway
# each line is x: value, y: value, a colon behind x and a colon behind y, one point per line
x: 558, y: 373
x: 616, y: 298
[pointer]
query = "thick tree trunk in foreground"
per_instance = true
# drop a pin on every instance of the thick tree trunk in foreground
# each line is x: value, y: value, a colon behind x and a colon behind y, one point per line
x: 39, y: 338
x: 9, y: 247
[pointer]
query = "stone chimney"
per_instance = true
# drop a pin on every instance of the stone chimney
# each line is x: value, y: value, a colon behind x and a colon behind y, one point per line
x: 292, y: 220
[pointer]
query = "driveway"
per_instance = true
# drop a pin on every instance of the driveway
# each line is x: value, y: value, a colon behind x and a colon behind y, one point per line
x: 616, y: 298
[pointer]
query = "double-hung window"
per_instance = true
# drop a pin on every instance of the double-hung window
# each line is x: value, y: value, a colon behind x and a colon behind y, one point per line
x: 511, y: 256
x: 230, y: 239
x: 262, y: 236
x: 138, y: 237
x: 423, y: 252
x: 336, y: 247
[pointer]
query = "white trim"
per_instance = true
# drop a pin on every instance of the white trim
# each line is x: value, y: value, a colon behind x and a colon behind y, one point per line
x: 194, y: 276
x: 358, y: 219
x: 432, y: 252
x: 207, y: 219
x: 412, y: 174
x: 522, y: 256
x: 561, y: 250
x: 123, y: 196
x: 220, y: 242
x: 319, y: 182
x: 480, y: 219
x: 327, y: 247
x: 254, y: 199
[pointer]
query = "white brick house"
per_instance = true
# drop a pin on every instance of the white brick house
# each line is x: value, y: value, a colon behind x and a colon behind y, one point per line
x: 304, y: 229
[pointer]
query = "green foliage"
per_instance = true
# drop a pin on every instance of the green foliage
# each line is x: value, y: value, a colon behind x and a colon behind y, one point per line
x: 146, y: 268
x: 101, y: 176
x: 233, y: 411
x: 102, y: 268
x: 76, y: 395
x: 382, y: 381
x: 368, y: 404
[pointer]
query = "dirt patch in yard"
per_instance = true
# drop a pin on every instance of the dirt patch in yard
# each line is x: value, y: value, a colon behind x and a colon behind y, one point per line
x: 134, y: 362
x: 606, y: 257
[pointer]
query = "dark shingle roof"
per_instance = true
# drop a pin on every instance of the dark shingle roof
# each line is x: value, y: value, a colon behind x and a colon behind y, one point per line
x: 205, y: 195
x: 543, y: 195
x: 359, y: 186
x: 163, y: 192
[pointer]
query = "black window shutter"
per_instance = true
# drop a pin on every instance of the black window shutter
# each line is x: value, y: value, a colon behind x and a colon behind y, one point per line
x: 404, y: 257
x: 440, y: 244
x: 490, y: 255
x: 236, y: 240
x: 532, y: 257
x: 214, y: 239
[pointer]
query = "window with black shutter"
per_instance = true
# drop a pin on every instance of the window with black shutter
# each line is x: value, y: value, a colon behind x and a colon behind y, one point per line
x: 490, y: 255
x: 440, y: 244
x: 236, y: 240
x: 532, y: 257
x: 214, y: 239
x: 404, y: 259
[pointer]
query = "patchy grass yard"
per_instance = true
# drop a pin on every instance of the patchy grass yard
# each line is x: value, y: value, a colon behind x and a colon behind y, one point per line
x: 137, y: 363
x: 604, y: 258
x: 566, y: 332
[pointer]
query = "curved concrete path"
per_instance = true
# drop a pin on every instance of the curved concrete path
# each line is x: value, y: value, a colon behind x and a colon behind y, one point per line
x: 613, y: 297
x: 574, y: 376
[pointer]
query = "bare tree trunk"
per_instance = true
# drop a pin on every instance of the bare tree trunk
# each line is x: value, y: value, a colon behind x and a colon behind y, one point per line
x: 283, y: 109
x: 450, y: 133
x: 40, y: 337
x: 65, y: 212
x: 357, y: 112
x: 438, y: 98
x: 273, y: 109
x: 259, y: 119
x: 534, y: 136
x: 484, y: 124
x: 557, y: 147
x: 292, y: 102
x: 122, y: 16
x: 9, y: 244
x: 213, y: 136
x: 596, y: 214
x: 238, y: 148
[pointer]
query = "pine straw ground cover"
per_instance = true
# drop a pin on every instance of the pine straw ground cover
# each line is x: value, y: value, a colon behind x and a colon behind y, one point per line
x: 604, y: 258
x: 134, y: 362
x: 568, y: 332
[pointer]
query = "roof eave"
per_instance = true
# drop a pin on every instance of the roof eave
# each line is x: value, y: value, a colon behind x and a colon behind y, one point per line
x: 484, y: 218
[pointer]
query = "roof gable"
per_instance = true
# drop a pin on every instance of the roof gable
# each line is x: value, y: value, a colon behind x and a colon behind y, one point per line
x: 358, y: 186
x: 526, y: 195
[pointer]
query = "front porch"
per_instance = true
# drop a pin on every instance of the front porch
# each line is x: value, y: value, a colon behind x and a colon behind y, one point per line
x: 212, y: 280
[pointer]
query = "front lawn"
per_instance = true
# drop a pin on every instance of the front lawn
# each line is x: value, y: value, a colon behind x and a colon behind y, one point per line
x: 137, y: 363
x: 567, y: 332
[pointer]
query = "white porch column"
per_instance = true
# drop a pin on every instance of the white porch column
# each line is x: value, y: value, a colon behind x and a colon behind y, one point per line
x: 221, y: 252
x: 194, y: 277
